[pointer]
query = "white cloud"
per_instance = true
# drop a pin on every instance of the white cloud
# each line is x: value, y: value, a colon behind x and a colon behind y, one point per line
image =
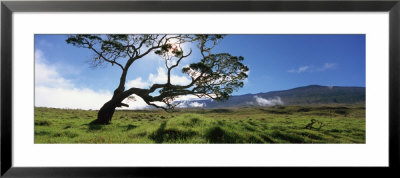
x: 327, y: 66
x: 75, y: 98
x: 300, y: 69
x: 268, y: 102
x: 189, y: 104
x: 137, y: 103
x: 137, y: 83
x: 47, y: 75
x: 52, y: 90
x: 197, y: 105
x: 188, y: 98
x: 162, y: 77
x: 71, y: 98
x: 307, y: 68
x: 304, y: 68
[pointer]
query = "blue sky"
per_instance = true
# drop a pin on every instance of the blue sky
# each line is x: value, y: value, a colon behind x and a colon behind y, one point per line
x: 276, y: 62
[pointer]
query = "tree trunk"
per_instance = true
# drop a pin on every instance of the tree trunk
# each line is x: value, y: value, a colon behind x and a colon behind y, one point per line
x: 106, y: 112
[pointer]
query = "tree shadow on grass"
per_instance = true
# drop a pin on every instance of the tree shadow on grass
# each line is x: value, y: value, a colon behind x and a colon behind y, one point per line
x: 130, y: 127
x: 92, y: 126
x: 219, y: 135
x: 170, y: 135
x: 158, y: 135
x: 220, y: 111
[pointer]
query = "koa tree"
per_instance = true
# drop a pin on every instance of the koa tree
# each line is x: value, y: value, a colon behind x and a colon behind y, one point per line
x: 213, y: 76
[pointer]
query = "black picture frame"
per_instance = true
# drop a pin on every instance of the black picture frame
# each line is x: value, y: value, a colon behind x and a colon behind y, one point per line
x: 8, y: 7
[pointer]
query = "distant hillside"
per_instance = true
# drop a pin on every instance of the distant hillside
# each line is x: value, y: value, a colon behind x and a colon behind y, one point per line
x: 307, y: 95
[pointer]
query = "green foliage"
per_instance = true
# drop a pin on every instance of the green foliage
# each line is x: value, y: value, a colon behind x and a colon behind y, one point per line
x: 219, y: 74
x: 230, y: 125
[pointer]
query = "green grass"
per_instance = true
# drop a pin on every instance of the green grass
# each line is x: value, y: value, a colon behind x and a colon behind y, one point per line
x: 334, y: 124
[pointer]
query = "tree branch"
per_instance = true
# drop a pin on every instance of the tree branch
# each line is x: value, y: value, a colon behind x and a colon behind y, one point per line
x: 175, y: 65
x: 152, y: 48
x: 110, y: 61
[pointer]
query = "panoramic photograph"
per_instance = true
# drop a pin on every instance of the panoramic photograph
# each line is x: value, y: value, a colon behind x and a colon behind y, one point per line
x: 199, y: 89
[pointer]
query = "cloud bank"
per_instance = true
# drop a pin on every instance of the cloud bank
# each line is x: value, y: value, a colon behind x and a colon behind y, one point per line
x: 53, y: 90
x: 188, y: 104
x: 266, y: 102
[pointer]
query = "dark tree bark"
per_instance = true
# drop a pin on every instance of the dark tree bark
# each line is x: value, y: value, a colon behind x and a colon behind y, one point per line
x: 106, y: 112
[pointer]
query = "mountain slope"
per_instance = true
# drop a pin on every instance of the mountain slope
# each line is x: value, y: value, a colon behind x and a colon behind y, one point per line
x: 307, y: 95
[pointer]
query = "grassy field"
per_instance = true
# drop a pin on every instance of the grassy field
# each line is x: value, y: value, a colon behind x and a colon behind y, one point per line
x: 289, y: 124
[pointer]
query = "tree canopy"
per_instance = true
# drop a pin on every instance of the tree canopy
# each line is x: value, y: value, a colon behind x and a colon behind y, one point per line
x: 213, y: 76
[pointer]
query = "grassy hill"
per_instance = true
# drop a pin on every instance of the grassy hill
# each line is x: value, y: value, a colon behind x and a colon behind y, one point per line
x: 284, y: 124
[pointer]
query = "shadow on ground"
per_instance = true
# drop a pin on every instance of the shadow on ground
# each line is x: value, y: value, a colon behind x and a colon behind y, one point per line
x: 169, y: 135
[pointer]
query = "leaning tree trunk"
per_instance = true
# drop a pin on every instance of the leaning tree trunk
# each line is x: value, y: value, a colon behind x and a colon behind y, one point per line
x: 106, y: 112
